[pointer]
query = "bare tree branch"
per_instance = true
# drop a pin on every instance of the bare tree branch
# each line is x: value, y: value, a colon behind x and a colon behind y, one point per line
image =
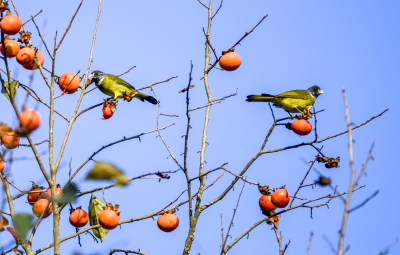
x: 124, y: 139
x: 352, y: 176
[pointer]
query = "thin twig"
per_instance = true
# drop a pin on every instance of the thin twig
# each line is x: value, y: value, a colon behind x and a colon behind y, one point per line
x: 33, y: 94
x: 386, y: 250
x: 278, y: 239
x: 355, y: 127
x: 158, y: 175
x: 302, y: 181
x: 200, y: 2
x: 222, y: 167
x: 157, y: 83
x: 171, y: 154
x: 326, y: 138
x: 186, y: 144
x: 351, y: 180
x: 127, y: 71
x: 69, y: 25
x: 126, y: 251
x: 211, y: 47
x: 41, y: 38
x: 330, y: 244
x: 364, y: 165
x: 239, y: 41
x: 88, y: 109
x: 364, y: 202
x: 34, y: 16
x: 233, y: 218
x: 111, y: 144
x: 249, y: 32
x: 309, y: 243
x: 222, y: 230
x: 218, y: 9
x: 215, y: 101
x: 243, y: 171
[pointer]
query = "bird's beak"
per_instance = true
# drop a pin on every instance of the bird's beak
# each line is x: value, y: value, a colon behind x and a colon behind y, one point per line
x: 320, y: 91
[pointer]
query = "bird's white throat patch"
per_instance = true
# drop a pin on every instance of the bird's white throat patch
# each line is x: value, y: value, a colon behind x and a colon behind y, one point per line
x: 100, y: 81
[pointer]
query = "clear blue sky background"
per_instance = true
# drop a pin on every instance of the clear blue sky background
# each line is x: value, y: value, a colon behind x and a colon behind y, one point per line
x: 334, y: 44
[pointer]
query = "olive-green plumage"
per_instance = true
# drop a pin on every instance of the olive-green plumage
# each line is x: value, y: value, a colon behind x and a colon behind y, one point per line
x: 117, y: 88
x: 291, y: 101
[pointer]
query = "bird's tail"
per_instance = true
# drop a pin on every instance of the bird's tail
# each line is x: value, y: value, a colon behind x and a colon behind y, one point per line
x: 143, y: 97
x: 261, y: 98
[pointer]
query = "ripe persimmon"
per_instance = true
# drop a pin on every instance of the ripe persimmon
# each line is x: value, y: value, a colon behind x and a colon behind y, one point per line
x: 265, y: 203
x: 41, y: 206
x: 29, y: 120
x: 109, y: 218
x: 301, y: 127
x: 78, y: 218
x: 11, y: 24
x: 33, y: 66
x: 2, y: 165
x: 25, y: 56
x: 107, y: 113
x: 280, y: 198
x: 12, y: 48
x: 230, y: 61
x: 10, y: 139
x: 35, y: 194
x: 59, y: 192
x: 69, y: 82
x: 109, y: 108
x: 168, y: 222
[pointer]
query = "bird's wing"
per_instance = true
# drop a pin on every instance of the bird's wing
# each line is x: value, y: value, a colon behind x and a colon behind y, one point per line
x: 120, y: 81
x: 295, y: 94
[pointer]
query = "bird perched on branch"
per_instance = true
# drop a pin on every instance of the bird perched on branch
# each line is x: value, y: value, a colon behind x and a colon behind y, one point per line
x: 296, y: 101
x: 117, y: 88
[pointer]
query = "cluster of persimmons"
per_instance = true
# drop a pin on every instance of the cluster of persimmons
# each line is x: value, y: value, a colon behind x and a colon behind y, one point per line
x: 40, y: 198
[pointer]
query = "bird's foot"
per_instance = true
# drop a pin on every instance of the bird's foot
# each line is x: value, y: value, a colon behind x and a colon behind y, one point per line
x: 306, y: 114
x: 127, y: 97
x: 111, y: 101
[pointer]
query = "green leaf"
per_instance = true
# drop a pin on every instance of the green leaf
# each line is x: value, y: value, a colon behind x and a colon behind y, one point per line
x: 69, y: 194
x: 12, y: 88
x: 106, y: 171
x: 95, y: 207
x: 4, y: 89
x: 22, y: 223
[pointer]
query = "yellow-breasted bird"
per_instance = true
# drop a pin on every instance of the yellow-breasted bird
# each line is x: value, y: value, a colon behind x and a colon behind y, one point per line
x: 117, y: 88
x: 291, y: 101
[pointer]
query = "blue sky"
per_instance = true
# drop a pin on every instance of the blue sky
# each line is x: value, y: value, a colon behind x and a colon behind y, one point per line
x: 334, y: 44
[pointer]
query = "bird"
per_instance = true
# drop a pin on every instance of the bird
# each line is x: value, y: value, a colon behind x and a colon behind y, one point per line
x: 117, y: 88
x: 292, y: 101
